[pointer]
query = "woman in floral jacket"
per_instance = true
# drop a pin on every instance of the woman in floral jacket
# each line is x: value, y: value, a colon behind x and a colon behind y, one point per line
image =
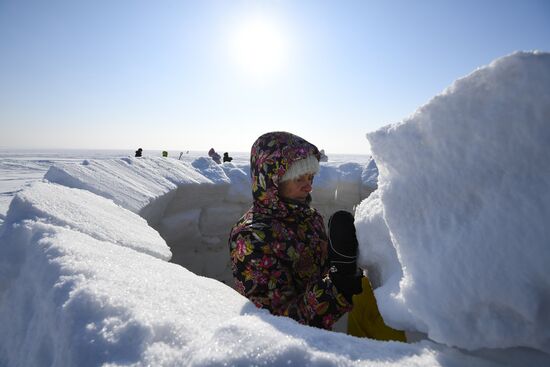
x: 279, y: 247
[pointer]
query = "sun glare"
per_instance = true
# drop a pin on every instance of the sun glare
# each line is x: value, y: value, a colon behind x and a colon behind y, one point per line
x: 258, y: 47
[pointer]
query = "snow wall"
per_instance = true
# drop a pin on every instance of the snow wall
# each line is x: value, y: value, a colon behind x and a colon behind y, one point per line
x: 458, y: 232
x: 85, y: 278
x: 193, y: 206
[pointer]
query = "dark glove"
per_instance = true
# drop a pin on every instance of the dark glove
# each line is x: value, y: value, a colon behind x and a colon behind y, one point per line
x: 342, y: 250
x: 348, y: 285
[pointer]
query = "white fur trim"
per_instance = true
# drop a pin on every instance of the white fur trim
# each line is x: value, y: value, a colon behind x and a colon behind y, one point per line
x: 301, y: 167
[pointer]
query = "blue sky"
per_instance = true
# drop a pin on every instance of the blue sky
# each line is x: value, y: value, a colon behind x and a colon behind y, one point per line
x: 118, y: 74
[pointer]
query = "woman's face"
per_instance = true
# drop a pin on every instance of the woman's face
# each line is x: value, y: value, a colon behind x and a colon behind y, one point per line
x: 296, y: 189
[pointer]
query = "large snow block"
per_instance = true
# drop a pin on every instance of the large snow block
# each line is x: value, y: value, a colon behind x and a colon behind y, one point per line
x: 464, y: 184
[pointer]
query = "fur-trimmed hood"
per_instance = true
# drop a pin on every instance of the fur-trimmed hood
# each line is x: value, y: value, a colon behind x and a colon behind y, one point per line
x: 271, y: 156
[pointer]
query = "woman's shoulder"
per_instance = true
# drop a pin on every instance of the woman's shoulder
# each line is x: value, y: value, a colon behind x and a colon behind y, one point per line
x: 251, y: 222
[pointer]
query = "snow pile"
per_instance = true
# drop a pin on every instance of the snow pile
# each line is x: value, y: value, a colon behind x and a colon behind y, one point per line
x: 457, y: 233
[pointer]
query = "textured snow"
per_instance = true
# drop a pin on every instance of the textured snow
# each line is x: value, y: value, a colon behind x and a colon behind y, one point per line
x: 87, y: 213
x: 458, y: 230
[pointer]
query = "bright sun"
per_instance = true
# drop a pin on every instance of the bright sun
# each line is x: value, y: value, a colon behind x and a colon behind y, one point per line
x: 259, y: 47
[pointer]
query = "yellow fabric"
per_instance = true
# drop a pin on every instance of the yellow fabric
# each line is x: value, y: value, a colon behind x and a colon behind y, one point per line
x: 365, y: 321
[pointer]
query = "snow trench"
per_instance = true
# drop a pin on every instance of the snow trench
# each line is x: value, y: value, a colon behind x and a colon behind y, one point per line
x: 194, y: 206
x: 85, y: 272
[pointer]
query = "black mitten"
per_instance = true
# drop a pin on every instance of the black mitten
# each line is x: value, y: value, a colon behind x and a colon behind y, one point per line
x: 348, y: 285
x: 342, y: 251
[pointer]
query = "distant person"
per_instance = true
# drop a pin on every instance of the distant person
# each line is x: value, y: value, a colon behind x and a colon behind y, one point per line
x: 164, y: 153
x: 324, y: 157
x: 215, y: 156
x: 226, y: 157
x: 181, y: 153
x: 279, y: 249
x: 138, y: 152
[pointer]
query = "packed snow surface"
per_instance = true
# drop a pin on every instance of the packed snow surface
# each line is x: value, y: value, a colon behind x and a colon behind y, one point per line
x: 454, y: 236
x: 458, y: 230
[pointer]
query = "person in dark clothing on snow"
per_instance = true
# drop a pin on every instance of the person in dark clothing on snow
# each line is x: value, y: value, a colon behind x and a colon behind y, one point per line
x: 226, y: 157
x: 215, y: 156
x: 282, y: 258
x: 138, y: 152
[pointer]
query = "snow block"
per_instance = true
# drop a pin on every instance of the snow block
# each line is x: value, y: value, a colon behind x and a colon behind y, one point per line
x: 376, y: 253
x: 464, y: 189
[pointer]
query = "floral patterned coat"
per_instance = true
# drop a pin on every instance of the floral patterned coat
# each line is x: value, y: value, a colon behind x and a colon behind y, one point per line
x: 279, y: 248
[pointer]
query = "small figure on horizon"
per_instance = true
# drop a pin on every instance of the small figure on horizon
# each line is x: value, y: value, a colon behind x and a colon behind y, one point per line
x: 215, y: 156
x: 226, y: 157
x: 138, y: 152
x: 181, y: 153
x: 324, y: 157
x: 164, y: 153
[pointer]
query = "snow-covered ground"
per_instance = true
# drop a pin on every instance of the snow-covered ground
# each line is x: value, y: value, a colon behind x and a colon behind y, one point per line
x: 455, y: 237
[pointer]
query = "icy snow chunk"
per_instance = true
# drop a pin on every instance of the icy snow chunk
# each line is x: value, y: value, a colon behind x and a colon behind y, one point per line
x: 87, y: 213
x: 240, y: 190
x: 376, y: 253
x: 464, y: 189
x: 369, y: 176
x: 210, y: 169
